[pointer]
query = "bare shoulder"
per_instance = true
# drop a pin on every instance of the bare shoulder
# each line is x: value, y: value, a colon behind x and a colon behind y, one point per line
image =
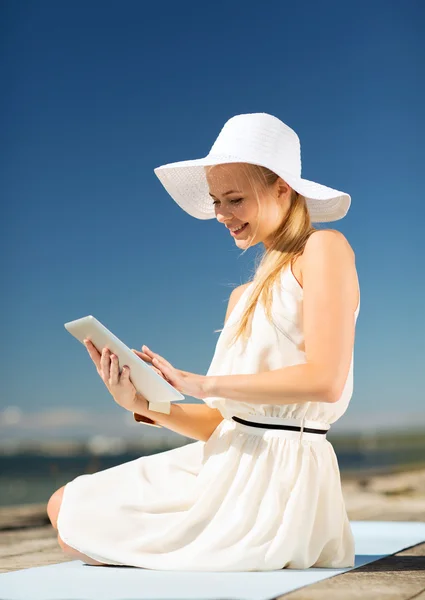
x: 328, y: 250
x: 325, y: 241
x: 331, y: 239
x: 234, y: 298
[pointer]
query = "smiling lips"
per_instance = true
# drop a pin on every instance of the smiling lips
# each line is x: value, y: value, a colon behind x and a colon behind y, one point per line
x: 238, y: 231
x: 234, y: 228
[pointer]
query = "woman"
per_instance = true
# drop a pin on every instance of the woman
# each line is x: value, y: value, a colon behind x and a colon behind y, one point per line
x: 260, y: 489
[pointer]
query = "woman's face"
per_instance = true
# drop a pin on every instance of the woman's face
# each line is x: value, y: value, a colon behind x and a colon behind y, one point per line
x: 240, y: 206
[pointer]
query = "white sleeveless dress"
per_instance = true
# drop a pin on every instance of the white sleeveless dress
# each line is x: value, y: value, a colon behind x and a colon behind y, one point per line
x: 248, y: 499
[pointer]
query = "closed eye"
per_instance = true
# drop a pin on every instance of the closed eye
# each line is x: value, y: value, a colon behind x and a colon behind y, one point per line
x: 232, y: 201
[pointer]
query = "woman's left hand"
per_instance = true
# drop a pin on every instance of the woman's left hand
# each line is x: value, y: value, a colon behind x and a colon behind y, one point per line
x: 185, y: 382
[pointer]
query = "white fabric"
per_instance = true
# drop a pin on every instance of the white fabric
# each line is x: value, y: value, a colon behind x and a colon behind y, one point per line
x: 249, y: 499
x: 76, y: 580
x: 259, y: 139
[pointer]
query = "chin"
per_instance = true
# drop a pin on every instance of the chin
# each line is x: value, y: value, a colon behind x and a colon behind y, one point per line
x: 247, y: 242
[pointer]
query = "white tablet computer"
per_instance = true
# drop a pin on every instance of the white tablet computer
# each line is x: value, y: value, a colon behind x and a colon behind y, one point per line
x: 158, y: 392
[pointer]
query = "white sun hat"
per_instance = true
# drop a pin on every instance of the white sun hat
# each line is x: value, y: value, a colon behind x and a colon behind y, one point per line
x: 255, y: 138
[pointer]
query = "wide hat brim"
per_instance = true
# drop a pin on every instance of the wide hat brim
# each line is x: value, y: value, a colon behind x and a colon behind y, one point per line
x: 186, y: 183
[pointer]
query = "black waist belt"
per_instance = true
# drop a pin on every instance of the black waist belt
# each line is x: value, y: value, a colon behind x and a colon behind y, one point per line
x: 278, y: 426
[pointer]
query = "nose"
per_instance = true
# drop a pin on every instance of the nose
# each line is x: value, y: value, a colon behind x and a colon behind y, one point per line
x: 223, y: 216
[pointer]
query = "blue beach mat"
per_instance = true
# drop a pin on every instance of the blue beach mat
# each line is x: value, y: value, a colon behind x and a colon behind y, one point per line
x: 75, y: 580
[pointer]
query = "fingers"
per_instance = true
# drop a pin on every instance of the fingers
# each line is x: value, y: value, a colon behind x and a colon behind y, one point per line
x: 154, y: 359
x: 142, y: 355
x: 161, y: 362
x: 125, y: 374
x: 148, y: 356
x: 114, y: 377
x: 114, y: 371
x: 157, y: 361
x: 148, y: 352
x: 93, y: 352
x: 147, y: 359
x: 158, y: 357
x: 105, y: 363
x: 158, y: 371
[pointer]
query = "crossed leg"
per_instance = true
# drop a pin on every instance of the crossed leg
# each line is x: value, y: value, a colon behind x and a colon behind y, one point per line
x: 53, y: 507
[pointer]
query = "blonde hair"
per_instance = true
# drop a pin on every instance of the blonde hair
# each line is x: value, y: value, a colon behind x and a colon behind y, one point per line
x: 288, y: 243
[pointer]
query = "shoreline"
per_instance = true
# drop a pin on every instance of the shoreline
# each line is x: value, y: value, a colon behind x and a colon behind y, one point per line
x: 356, y: 473
x: 396, y: 493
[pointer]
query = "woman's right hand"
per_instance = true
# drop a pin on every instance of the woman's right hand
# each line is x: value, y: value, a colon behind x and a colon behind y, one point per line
x: 145, y: 357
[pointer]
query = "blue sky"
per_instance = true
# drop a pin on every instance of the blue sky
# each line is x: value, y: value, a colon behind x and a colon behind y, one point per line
x: 95, y: 95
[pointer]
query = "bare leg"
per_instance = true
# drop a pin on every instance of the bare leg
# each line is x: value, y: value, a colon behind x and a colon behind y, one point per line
x: 53, y: 508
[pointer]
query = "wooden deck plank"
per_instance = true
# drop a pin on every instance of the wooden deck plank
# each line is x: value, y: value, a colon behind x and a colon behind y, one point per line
x: 400, y: 576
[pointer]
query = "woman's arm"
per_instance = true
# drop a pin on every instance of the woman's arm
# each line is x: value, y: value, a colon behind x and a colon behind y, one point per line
x: 330, y: 296
x: 196, y: 421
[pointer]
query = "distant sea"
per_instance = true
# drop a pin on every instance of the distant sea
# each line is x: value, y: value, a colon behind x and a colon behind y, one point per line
x: 26, y: 478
